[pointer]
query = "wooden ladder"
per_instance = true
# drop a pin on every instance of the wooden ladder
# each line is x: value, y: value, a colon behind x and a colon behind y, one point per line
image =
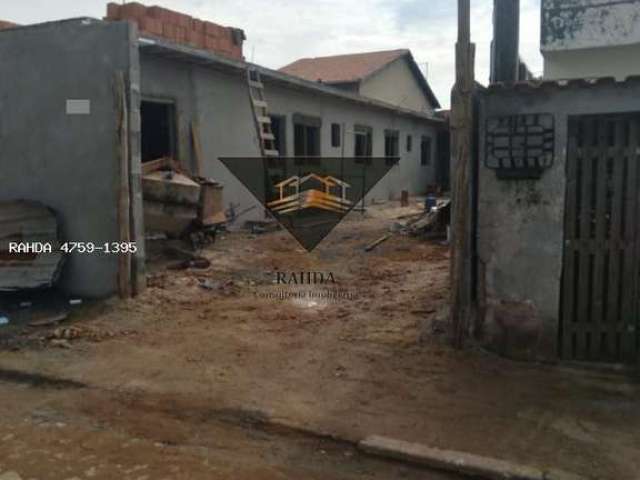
x: 261, y: 114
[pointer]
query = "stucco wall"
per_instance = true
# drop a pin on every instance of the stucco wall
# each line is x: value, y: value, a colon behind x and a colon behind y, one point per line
x: 521, y: 222
x: 396, y: 84
x: 582, y: 24
x: 68, y: 162
x: 220, y: 103
x: 590, y: 38
x: 618, y: 62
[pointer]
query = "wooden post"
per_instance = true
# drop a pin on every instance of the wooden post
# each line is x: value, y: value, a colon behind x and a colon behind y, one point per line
x: 505, y: 62
x: 124, y: 260
x: 197, y: 148
x: 461, y: 158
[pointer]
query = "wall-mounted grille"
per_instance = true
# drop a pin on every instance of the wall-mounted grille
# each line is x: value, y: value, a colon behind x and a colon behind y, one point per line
x: 520, y: 146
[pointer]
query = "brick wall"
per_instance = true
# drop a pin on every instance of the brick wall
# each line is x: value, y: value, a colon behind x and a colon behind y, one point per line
x: 180, y: 28
x: 4, y: 24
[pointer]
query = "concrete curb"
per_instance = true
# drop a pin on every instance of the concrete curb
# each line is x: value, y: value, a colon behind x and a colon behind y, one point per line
x: 457, y: 462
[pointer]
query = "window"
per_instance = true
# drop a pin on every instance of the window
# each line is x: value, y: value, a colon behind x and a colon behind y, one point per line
x: 409, y: 143
x: 306, y: 138
x: 391, y: 146
x: 157, y: 122
x: 279, y: 129
x: 425, y: 151
x: 335, y: 134
x: 363, y: 144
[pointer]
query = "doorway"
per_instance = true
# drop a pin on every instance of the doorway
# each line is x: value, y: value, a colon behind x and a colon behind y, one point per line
x: 158, y: 138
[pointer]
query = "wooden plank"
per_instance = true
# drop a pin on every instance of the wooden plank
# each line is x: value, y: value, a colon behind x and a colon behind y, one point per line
x: 259, y: 103
x: 377, y: 242
x: 262, y: 119
x: 597, y: 304
x: 124, y: 261
x: 629, y: 302
x: 267, y: 136
x: 635, y: 154
x: 569, y: 292
x: 585, y: 218
x: 615, y: 253
x: 255, y: 84
x: 197, y: 148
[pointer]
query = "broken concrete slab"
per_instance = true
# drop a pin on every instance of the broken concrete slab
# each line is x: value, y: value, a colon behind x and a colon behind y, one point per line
x: 38, y: 261
x: 458, y: 462
x: 170, y: 187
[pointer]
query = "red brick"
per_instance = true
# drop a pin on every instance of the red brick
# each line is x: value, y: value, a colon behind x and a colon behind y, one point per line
x: 183, y: 21
x: 151, y: 25
x: 170, y: 31
x: 211, y: 29
x: 195, y: 39
x: 210, y: 43
x: 181, y: 34
x: 160, y: 13
x: 133, y: 10
x: 197, y: 25
x: 113, y: 11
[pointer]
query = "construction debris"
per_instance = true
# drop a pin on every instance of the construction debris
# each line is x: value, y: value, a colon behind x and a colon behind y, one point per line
x: 177, y: 204
x: 35, y: 228
x: 49, y: 321
x: 432, y: 221
x: 379, y: 241
x: 198, y: 262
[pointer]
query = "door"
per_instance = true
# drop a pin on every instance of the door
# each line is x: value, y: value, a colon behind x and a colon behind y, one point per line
x: 599, y: 313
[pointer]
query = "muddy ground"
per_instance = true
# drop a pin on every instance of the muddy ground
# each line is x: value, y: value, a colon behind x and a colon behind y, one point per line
x: 212, y: 374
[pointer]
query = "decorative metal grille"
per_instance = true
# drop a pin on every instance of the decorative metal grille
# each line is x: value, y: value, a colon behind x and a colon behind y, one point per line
x: 520, y: 146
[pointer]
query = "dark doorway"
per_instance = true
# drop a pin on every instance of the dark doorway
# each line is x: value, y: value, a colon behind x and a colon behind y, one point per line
x: 601, y: 255
x: 158, y: 130
x: 278, y: 126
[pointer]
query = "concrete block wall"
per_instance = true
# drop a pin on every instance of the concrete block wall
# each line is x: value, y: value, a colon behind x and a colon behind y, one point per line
x: 180, y: 28
x: 521, y: 222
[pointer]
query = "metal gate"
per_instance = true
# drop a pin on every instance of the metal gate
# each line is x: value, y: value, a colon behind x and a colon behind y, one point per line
x: 600, y: 275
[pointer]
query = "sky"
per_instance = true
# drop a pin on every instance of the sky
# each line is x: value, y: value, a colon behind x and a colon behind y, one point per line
x: 281, y: 31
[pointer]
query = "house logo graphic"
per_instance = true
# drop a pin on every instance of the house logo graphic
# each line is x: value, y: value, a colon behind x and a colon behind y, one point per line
x: 312, y: 198
x: 309, y: 196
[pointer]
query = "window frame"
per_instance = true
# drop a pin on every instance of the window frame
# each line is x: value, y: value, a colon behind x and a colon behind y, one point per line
x: 426, y: 154
x: 392, y: 146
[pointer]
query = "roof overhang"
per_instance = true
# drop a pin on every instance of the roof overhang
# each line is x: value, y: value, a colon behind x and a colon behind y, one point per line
x: 171, y: 51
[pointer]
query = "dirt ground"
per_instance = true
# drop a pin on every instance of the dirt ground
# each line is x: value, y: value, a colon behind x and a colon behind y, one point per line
x: 213, y: 374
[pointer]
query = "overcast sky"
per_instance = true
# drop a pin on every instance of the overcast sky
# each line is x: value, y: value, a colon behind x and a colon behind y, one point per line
x: 281, y: 31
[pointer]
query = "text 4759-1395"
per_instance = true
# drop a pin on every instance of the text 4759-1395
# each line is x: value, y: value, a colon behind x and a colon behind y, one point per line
x: 74, y: 247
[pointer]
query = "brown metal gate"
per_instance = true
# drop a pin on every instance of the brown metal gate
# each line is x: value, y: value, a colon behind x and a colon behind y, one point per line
x: 600, y: 275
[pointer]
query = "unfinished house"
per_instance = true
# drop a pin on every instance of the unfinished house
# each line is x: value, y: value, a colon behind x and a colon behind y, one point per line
x: 558, y: 188
x: 89, y: 107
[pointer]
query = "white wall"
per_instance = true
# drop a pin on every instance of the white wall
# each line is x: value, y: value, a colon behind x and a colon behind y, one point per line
x: 408, y: 175
x: 619, y: 62
x: 590, y: 38
x: 397, y: 85
x: 220, y: 103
